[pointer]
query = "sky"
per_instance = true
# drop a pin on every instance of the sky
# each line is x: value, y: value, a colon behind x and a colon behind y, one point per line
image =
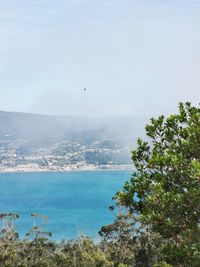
x: 135, y: 57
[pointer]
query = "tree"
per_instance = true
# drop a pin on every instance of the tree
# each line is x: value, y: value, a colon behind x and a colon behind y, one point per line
x: 125, y: 243
x: 164, y: 192
x: 118, y: 240
x: 82, y: 253
x: 8, y: 240
x: 37, y: 245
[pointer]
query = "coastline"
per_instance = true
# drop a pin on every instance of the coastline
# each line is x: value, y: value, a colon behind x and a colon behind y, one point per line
x: 28, y: 169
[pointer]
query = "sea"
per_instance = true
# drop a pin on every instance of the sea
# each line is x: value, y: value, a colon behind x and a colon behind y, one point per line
x: 75, y: 202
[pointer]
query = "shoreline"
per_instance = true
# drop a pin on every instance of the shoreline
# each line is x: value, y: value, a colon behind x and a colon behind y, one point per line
x: 65, y: 170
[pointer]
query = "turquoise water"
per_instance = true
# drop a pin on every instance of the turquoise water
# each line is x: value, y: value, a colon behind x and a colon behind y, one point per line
x: 74, y: 201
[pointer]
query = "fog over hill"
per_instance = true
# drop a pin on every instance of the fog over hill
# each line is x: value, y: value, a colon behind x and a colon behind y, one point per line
x: 76, y: 139
x: 34, y: 127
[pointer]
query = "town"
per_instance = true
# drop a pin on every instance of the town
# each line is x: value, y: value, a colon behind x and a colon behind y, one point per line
x: 17, y: 156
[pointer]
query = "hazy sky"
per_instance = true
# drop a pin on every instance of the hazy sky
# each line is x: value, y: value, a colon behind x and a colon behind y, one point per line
x: 135, y: 58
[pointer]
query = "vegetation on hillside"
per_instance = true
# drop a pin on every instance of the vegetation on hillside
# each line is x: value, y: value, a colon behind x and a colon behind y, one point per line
x: 159, y: 210
x: 120, y: 246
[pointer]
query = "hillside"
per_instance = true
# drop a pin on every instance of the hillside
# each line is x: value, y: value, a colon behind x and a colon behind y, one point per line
x: 60, y: 141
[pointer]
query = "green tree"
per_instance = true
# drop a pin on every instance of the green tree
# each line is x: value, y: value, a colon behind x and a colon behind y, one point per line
x: 127, y: 244
x: 37, y: 245
x: 118, y: 240
x: 83, y: 253
x: 8, y: 240
x: 164, y: 192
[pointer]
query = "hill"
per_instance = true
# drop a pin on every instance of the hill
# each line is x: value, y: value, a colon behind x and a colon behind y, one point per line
x: 59, y: 141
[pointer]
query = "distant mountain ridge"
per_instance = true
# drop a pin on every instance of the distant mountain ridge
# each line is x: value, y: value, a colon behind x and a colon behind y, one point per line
x: 14, y: 125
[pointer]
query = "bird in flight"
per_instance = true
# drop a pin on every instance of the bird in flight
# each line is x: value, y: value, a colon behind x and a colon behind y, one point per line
x: 84, y: 89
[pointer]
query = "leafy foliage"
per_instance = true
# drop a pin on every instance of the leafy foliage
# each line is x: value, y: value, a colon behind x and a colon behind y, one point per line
x: 164, y: 192
x: 125, y: 242
x: 121, y: 246
x: 36, y: 250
